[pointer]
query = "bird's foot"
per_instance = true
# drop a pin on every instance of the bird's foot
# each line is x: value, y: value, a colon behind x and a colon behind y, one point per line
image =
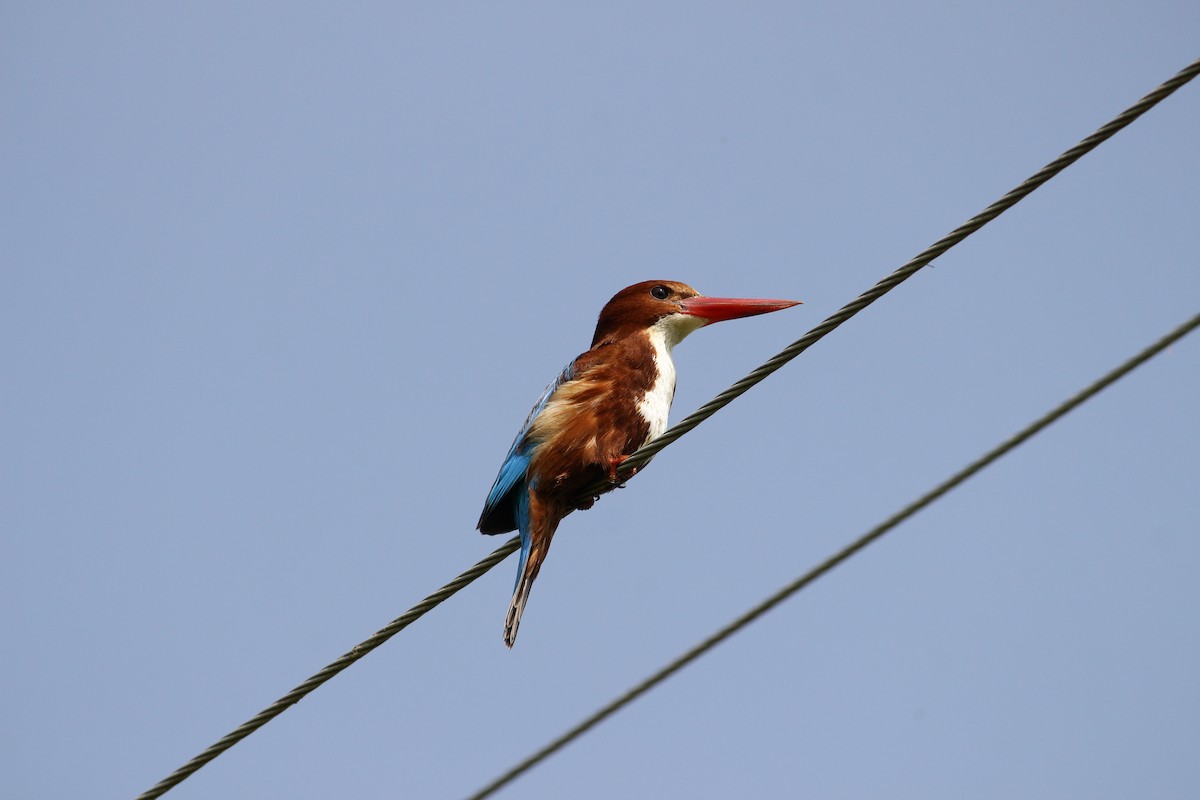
x: 614, y: 476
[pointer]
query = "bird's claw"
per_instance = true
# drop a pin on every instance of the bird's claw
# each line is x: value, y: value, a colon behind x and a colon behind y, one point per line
x: 614, y: 477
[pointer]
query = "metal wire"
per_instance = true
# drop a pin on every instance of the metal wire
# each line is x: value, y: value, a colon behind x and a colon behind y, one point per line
x: 643, y: 455
x: 358, y: 651
x: 837, y: 558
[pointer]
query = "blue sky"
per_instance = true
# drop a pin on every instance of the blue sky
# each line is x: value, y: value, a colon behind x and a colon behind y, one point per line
x: 280, y: 282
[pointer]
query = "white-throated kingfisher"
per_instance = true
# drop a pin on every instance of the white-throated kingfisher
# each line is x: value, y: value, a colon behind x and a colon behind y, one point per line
x: 606, y: 404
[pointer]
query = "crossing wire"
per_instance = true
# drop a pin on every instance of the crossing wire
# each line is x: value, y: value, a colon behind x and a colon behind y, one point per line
x: 644, y: 454
x: 837, y: 558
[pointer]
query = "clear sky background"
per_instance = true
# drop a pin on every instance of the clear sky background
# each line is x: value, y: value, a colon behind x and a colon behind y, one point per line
x: 281, y: 280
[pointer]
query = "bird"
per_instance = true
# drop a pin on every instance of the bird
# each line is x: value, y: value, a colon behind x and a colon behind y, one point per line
x: 603, y: 406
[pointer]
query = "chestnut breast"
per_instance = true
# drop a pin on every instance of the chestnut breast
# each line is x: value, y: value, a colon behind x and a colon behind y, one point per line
x: 617, y: 400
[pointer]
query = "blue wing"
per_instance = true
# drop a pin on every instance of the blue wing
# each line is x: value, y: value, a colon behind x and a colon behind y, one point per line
x: 507, y: 504
x: 502, y: 511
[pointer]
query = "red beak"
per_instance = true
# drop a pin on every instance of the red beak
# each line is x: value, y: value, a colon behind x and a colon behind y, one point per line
x: 718, y: 309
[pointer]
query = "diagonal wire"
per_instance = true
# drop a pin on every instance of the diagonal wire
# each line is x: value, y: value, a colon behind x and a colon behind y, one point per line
x: 643, y: 455
x: 358, y: 651
x: 837, y: 558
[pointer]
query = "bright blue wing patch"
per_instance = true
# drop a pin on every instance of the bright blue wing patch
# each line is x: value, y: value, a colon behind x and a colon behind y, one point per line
x: 510, y: 475
x: 500, y: 511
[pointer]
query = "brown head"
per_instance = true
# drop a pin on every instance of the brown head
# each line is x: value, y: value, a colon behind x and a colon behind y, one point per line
x: 676, y: 307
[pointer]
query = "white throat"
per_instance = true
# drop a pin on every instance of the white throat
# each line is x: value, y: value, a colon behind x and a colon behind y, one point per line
x: 664, y: 335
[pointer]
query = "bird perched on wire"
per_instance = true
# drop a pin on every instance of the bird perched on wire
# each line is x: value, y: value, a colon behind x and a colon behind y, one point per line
x: 606, y: 404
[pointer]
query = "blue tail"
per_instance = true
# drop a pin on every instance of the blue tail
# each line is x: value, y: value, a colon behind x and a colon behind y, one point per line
x: 522, y: 526
x: 524, y: 583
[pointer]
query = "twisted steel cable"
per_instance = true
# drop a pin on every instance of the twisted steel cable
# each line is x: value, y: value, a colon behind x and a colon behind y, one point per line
x: 354, y: 654
x: 644, y: 454
x: 837, y: 558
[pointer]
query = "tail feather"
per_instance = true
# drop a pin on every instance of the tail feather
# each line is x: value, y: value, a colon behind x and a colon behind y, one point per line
x: 538, y: 521
x: 516, y: 608
x: 525, y: 576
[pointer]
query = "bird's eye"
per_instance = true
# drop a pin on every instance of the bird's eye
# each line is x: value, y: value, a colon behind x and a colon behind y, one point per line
x: 660, y: 292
